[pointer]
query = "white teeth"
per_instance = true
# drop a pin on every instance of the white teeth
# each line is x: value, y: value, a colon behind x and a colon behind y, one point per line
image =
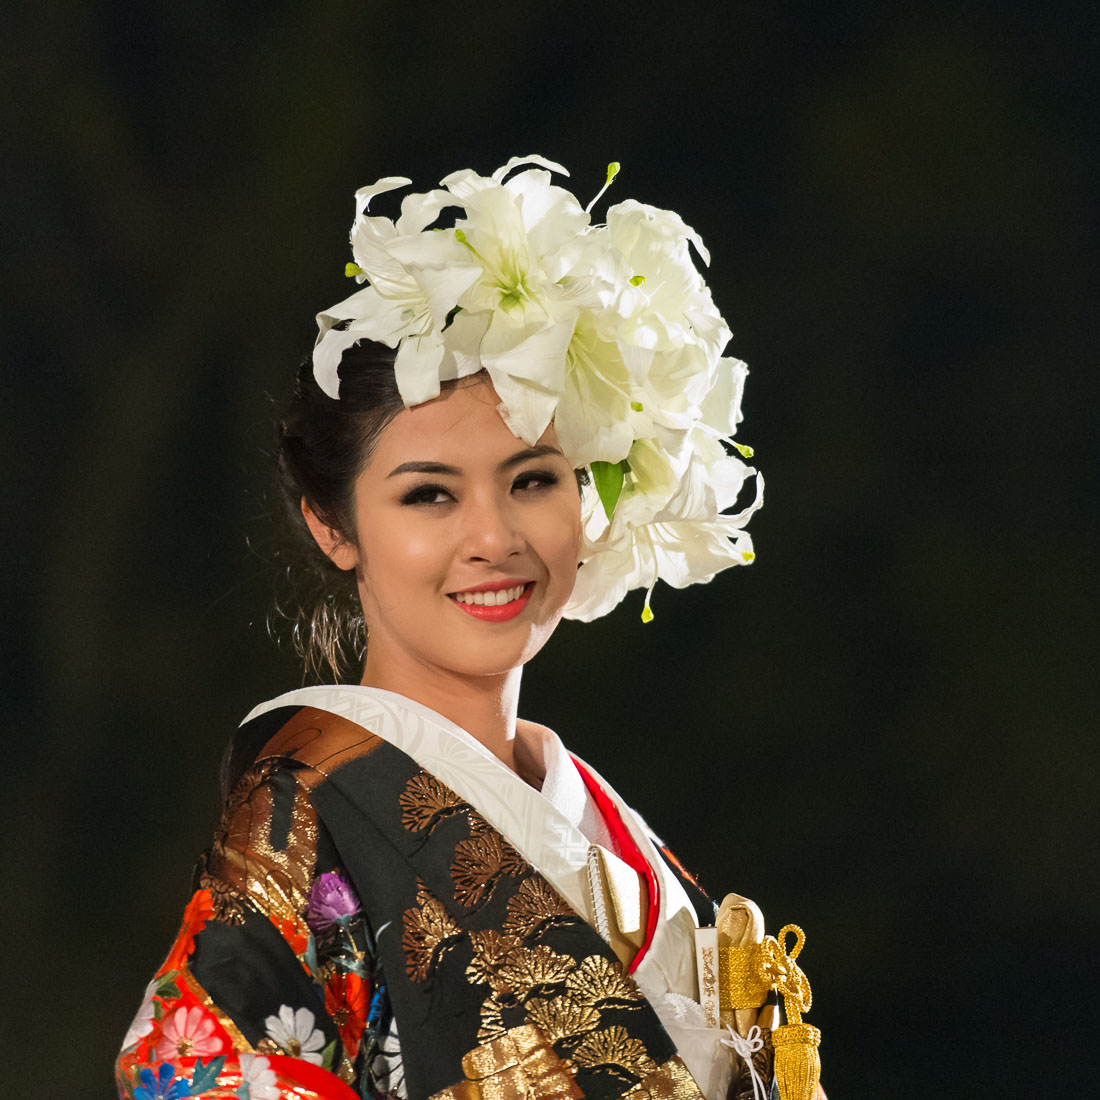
x: 491, y: 599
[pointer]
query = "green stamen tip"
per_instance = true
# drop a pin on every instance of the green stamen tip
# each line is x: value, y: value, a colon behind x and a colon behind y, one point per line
x: 351, y: 270
x: 637, y: 280
x: 613, y: 170
x: 636, y: 406
x: 745, y: 450
x: 647, y: 614
x: 747, y: 556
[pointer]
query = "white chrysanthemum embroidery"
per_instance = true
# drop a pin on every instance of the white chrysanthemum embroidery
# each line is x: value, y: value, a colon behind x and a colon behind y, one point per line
x: 607, y: 330
x: 387, y: 1071
x: 145, y: 1019
x: 294, y: 1033
x: 258, y: 1080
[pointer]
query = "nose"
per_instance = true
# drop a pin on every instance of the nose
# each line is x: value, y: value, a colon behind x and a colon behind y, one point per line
x: 491, y: 532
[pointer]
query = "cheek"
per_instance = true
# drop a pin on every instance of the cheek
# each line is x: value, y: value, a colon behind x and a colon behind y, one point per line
x: 562, y: 542
x: 395, y: 567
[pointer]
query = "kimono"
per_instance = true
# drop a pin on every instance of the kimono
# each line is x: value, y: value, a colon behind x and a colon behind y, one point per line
x: 388, y: 911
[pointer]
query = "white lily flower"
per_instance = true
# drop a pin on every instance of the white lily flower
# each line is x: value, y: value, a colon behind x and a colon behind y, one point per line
x: 608, y: 331
x: 667, y: 529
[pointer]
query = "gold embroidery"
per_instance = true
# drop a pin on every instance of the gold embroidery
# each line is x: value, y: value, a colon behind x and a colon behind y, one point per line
x: 598, y: 980
x: 479, y: 863
x: 532, y: 966
x: 614, y: 1046
x: 492, y: 1022
x: 276, y: 880
x: 534, y: 904
x: 669, y: 1081
x: 562, y: 1017
x: 517, y: 1065
x: 426, y: 928
x: 425, y: 801
x: 491, y: 951
x: 227, y: 903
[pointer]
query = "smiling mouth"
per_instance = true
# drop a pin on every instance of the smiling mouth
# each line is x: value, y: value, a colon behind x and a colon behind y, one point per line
x: 496, y: 605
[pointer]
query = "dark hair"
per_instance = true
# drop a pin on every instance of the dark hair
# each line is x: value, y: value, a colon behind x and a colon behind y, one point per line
x: 323, y: 446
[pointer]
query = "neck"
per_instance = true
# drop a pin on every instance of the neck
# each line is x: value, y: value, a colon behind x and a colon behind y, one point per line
x: 484, y: 706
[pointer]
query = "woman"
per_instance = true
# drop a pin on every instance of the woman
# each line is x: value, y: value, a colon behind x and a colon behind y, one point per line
x: 413, y: 892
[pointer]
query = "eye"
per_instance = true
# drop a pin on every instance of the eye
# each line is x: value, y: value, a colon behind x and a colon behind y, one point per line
x: 427, y: 494
x: 534, y: 480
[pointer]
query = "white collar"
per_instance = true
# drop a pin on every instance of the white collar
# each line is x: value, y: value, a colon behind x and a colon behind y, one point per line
x: 542, y: 829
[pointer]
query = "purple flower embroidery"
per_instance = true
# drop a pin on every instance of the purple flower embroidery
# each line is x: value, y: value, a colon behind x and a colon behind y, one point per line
x: 331, y: 901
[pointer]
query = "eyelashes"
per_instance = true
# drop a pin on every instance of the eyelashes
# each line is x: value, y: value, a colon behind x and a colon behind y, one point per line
x: 426, y: 494
x: 436, y: 493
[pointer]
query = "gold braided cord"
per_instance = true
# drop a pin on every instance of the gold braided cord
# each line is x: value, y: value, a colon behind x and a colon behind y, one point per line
x: 745, y: 976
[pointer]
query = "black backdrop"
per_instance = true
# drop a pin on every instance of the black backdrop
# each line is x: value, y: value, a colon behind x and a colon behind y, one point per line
x: 885, y: 729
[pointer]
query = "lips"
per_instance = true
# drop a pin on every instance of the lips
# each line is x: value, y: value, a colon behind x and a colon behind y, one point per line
x: 496, y: 602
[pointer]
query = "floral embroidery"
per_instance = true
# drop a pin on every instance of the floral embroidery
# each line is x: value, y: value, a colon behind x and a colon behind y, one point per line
x: 199, y: 910
x: 292, y: 933
x: 145, y: 1020
x: 258, y: 1080
x: 161, y: 1086
x: 346, y: 996
x: 293, y: 1031
x: 189, y: 1033
x: 331, y: 901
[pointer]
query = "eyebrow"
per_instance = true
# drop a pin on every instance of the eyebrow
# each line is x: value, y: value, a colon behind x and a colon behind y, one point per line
x: 454, y: 471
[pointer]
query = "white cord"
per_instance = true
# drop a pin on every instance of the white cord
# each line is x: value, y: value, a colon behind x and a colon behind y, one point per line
x: 746, y: 1046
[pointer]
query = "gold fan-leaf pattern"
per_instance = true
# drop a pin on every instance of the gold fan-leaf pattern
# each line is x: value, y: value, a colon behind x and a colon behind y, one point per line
x: 561, y: 1017
x: 534, y: 903
x: 539, y: 965
x: 598, y: 979
x: 613, y: 1046
x: 426, y: 926
x: 479, y: 862
x: 491, y: 951
x: 492, y: 1023
x: 424, y: 801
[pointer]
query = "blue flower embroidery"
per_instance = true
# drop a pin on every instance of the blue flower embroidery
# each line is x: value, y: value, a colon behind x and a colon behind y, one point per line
x: 162, y: 1086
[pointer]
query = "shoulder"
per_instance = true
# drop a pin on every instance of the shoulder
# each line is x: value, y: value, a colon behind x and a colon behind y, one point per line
x: 302, y: 739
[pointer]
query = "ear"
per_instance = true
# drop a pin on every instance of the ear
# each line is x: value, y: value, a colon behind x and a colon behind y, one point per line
x: 336, y: 548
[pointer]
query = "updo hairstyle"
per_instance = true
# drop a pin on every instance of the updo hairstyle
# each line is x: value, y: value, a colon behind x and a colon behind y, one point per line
x: 323, y: 445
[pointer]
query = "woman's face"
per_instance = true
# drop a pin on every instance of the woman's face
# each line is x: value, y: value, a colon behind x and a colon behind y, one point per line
x: 467, y: 540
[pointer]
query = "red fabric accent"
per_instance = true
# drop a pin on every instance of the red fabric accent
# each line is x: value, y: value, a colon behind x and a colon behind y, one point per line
x: 299, y: 1078
x: 631, y: 855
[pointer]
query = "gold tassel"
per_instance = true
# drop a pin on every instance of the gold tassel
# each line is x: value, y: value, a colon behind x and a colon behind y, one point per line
x: 797, y: 1062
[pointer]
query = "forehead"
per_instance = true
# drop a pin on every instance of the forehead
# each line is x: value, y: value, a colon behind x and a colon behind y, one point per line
x: 461, y: 427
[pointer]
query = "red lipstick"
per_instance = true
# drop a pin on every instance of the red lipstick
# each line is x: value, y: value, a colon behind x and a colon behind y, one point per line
x: 495, y: 613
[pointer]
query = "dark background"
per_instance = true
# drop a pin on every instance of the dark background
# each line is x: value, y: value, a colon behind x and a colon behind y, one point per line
x: 884, y: 730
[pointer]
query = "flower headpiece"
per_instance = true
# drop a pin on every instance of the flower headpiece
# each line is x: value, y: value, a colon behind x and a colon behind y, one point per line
x: 608, y: 330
